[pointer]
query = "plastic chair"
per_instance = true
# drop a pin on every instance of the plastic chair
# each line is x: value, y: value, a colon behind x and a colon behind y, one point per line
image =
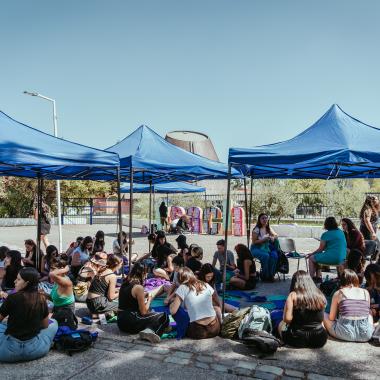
x: 288, y: 245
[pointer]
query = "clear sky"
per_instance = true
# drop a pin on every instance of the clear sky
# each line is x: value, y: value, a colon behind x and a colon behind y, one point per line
x: 245, y: 72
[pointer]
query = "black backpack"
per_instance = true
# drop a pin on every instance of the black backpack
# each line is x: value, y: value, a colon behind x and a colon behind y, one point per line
x: 65, y: 317
x: 282, y: 263
x: 74, y: 341
x: 265, y: 342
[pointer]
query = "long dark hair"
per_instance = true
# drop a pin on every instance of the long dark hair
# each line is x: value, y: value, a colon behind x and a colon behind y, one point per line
x: 99, y: 242
x: 3, y: 252
x: 308, y: 296
x: 33, y: 298
x: 369, y: 204
x: 259, y: 225
x: 85, y: 241
x: 33, y: 244
x: 137, y: 275
x: 12, y: 269
x: 243, y: 252
x: 51, y: 253
x: 206, y: 269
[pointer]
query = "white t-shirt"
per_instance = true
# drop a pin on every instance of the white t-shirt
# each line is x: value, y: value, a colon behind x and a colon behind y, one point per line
x: 199, y: 305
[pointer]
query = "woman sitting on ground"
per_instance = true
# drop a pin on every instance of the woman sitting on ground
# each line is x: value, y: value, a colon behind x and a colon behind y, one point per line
x: 332, y: 249
x: 161, y: 252
x: 30, y: 259
x: 3, y: 254
x: 102, y: 292
x: 195, y: 261
x: 207, y: 275
x: 264, y: 242
x: 178, y: 263
x: 354, y: 237
x: 133, y: 314
x: 356, y: 262
x: 62, y: 294
x: 81, y: 255
x: 28, y: 335
x: 124, y: 253
x: 372, y: 276
x: 51, y: 254
x: 245, y: 275
x: 182, y: 246
x: 301, y: 326
x: 99, y: 242
x: 13, y: 264
x: 196, y: 296
x: 355, y: 322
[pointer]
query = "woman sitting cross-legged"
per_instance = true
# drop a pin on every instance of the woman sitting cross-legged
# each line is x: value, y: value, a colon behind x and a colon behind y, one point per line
x: 28, y: 335
x: 350, y: 317
x: 134, y: 315
x: 332, y: 249
x: 102, y: 291
x: 196, y: 296
x: 301, y: 326
x: 245, y: 275
x: 263, y: 247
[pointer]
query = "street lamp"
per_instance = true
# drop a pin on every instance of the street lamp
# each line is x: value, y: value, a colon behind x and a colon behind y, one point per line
x: 58, y: 182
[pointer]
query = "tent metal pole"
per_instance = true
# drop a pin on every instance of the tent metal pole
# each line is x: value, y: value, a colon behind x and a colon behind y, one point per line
x: 39, y: 219
x: 130, y: 217
x: 250, y: 206
x: 246, y: 210
x: 120, y: 218
x: 150, y: 210
x: 227, y: 216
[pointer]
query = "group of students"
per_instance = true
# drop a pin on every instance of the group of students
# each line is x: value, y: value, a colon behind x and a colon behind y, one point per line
x: 351, y: 316
x: 86, y: 273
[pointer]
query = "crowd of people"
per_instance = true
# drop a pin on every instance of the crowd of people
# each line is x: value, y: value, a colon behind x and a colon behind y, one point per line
x: 87, y: 273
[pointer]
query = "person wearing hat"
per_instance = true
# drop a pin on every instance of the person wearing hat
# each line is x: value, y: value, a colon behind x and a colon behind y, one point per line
x: 161, y: 252
x: 102, y: 291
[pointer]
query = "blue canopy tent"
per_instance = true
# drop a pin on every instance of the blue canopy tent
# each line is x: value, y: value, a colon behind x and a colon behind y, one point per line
x: 145, y: 157
x: 164, y: 188
x: 336, y: 146
x: 28, y: 152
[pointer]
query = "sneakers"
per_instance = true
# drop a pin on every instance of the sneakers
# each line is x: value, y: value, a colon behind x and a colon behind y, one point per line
x: 149, y: 335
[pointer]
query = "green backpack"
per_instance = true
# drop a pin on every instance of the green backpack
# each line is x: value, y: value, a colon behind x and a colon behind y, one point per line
x: 231, y: 323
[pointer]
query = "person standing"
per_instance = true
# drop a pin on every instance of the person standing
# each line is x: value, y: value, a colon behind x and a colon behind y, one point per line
x: 45, y: 221
x: 163, y: 209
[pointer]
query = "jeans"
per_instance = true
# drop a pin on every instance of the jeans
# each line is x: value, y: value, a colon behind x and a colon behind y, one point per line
x: 15, y: 350
x: 268, y: 261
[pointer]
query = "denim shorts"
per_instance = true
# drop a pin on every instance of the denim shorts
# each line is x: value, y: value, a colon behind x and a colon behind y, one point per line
x: 353, y: 330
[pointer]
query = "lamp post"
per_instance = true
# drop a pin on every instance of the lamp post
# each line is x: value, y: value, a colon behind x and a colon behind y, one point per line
x: 58, y: 182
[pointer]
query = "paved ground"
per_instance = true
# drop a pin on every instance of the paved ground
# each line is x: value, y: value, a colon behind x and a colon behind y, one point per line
x: 125, y: 356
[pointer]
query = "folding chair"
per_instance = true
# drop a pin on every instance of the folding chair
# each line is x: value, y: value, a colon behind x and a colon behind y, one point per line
x: 288, y: 245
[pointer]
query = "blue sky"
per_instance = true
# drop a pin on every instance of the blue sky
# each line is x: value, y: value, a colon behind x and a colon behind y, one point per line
x: 245, y: 72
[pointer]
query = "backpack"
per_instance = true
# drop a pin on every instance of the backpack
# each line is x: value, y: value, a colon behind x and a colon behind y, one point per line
x: 71, y: 341
x: 262, y: 340
x: 282, y: 263
x: 65, y: 317
x: 231, y: 323
x: 257, y: 319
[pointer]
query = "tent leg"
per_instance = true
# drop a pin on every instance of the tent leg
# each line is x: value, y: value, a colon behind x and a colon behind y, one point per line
x: 130, y: 218
x: 150, y: 210
x: 246, y: 210
x: 227, y: 216
x: 40, y: 187
x: 120, y: 218
x: 250, y: 207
